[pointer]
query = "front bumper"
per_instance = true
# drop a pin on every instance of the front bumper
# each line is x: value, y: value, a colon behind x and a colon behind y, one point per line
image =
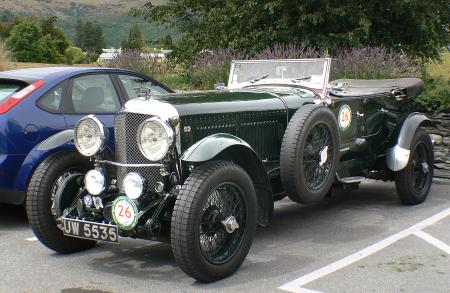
x: 9, y: 167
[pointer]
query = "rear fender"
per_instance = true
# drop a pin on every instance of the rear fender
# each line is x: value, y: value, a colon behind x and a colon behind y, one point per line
x: 397, y: 157
x: 228, y: 147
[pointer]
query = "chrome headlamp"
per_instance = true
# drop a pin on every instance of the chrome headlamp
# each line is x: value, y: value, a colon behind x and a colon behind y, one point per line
x: 154, y: 139
x: 133, y: 185
x: 94, y: 181
x: 90, y: 136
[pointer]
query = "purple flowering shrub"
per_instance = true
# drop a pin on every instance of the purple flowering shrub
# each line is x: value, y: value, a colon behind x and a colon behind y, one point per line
x: 372, y: 63
x: 288, y: 51
x: 359, y: 63
x: 213, y: 66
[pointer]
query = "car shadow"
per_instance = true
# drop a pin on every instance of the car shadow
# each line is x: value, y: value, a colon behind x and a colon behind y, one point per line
x: 137, y: 259
x: 331, y: 214
x: 12, y: 217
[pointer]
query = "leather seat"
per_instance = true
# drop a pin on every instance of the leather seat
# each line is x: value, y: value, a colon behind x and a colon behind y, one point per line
x: 92, y: 98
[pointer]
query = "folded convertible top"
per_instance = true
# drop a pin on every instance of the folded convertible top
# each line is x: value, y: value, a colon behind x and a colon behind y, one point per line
x: 367, y: 87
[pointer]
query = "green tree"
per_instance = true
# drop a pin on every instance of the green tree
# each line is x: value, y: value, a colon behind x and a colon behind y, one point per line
x: 135, y: 39
x: 413, y: 26
x: 55, y: 34
x: 25, y: 42
x: 167, y: 42
x: 31, y: 42
x: 50, y: 52
x: 74, y: 55
x: 93, y: 40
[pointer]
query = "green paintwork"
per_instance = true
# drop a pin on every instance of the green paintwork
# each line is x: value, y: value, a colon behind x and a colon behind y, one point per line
x: 236, y: 101
x: 211, y: 146
x: 247, y: 126
x: 257, y: 115
x: 367, y: 137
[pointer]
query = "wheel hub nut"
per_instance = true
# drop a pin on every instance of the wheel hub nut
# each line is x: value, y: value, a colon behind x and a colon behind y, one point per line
x: 425, y: 167
x: 230, y: 224
x: 323, y: 156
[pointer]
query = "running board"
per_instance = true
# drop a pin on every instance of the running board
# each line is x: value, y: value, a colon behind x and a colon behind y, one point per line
x: 351, y: 180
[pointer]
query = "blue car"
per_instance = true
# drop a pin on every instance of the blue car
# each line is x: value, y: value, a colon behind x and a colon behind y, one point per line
x: 39, y: 108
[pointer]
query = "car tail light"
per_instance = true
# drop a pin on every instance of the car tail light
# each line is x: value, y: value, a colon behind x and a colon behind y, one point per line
x: 20, y: 96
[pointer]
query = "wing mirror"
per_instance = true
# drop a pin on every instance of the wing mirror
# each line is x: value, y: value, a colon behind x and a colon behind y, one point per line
x: 143, y: 92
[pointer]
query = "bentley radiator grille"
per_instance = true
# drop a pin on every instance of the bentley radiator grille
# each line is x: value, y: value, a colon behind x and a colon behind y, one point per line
x: 127, y: 150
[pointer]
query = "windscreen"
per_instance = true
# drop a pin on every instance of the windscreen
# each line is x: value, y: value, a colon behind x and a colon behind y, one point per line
x: 9, y: 87
x: 312, y: 73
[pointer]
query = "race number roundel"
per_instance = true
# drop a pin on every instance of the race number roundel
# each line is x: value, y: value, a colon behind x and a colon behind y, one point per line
x: 345, y: 117
x: 124, y: 213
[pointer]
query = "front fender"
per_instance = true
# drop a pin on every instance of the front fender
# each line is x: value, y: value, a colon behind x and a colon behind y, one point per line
x: 211, y: 146
x: 224, y: 146
x: 397, y: 157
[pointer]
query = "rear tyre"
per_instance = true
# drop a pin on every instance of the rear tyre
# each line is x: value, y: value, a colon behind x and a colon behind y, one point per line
x: 413, y: 183
x: 309, y: 154
x: 40, y: 201
x: 214, y: 221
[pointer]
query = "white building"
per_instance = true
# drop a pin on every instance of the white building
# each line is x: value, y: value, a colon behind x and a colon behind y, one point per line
x: 109, y: 54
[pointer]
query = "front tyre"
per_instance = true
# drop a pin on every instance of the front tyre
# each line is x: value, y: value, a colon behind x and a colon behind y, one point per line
x: 413, y: 183
x: 41, y: 210
x: 214, y: 221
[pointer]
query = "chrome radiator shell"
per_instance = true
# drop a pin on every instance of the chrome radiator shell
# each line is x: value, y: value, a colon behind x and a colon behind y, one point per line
x: 127, y: 150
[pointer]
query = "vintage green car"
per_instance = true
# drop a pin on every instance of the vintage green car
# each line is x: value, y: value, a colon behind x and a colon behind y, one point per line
x: 200, y: 170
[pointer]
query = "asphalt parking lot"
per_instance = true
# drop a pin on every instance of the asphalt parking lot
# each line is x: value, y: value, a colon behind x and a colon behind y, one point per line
x: 360, y: 241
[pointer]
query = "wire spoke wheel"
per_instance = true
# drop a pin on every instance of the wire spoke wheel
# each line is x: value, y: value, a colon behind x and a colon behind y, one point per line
x: 317, y: 156
x: 225, y: 203
x: 214, y: 220
x: 420, y: 167
x: 414, y: 181
x: 55, y: 188
x: 45, y: 200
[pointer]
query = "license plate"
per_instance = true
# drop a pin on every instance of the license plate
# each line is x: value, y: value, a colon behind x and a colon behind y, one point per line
x: 90, y: 230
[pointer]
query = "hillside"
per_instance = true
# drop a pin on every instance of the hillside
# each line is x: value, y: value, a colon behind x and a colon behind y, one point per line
x: 116, y: 28
x: 112, y: 15
x: 74, y: 8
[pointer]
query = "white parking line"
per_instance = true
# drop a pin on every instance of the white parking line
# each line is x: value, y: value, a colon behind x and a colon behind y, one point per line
x: 31, y: 239
x: 436, y: 242
x: 297, y: 284
x: 304, y: 290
